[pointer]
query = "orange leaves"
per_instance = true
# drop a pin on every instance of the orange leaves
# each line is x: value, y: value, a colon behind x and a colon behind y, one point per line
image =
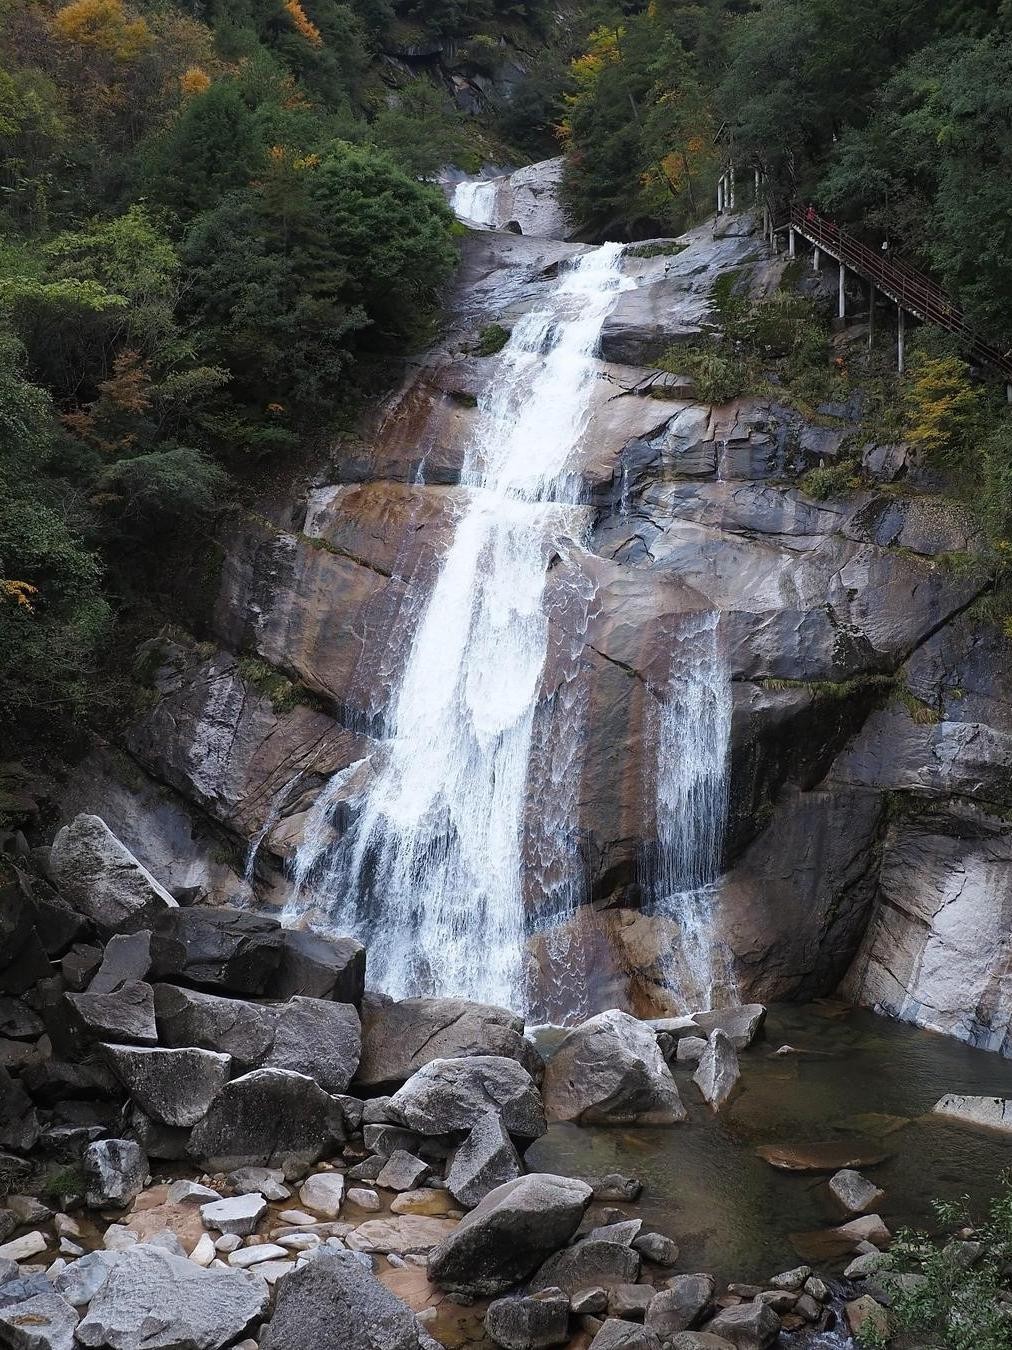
x: 302, y: 23
x: 194, y: 80
x: 21, y: 593
x: 104, y: 26
x: 108, y: 423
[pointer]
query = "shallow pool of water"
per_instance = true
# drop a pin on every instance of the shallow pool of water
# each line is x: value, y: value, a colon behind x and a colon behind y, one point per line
x: 863, y: 1081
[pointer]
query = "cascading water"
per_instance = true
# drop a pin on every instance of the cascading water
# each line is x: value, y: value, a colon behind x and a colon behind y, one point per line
x: 693, y: 733
x: 433, y: 874
x: 474, y: 201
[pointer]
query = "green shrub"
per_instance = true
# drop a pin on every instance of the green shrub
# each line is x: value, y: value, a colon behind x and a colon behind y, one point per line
x: 492, y: 339
x: 823, y: 483
x: 717, y: 376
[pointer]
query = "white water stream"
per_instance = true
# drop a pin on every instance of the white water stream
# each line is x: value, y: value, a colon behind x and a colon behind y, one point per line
x: 433, y: 873
x: 474, y: 201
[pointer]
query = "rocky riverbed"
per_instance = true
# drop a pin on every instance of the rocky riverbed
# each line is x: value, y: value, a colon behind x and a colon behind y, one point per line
x: 213, y: 1135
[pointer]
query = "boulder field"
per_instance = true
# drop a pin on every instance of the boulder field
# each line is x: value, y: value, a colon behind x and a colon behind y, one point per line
x: 267, y: 1156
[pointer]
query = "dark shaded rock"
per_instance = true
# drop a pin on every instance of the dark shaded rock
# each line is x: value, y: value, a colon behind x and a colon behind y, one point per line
x: 399, y: 1038
x: 23, y: 959
x: 153, y: 1298
x: 617, y: 1334
x: 509, y: 1234
x: 681, y: 1306
x: 610, y: 1070
x: 168, y: 1143
x: 529, y: 1323
x: 80, y: 965
x: 115, y: 1171
x: 451, y: 1094
x: 319, y: 967
x: 268, y: 1118
x: 19, y: 1125
x: 589, y: 1265
x: 614, y: 1186
x: 829, y: 1157
x: 750, y: 1326
x: 128, y: 1014
x: 18, y: 1022
x: 53, y: 1080
x: 486, y: 1159
x: 403, y: 1171
x: 630, y: 1300
x: 228, y: 950
x: 333, y: 1303
x: 102, y: 879
x: 230, y: 1026
x: 386, y: 1139
x: 317, y: 1037
x: 172, y: 1087
x: 127, y: 957
x: 663, y: 1251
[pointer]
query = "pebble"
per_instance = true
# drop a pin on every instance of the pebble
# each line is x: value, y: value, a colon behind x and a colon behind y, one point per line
x: 271, y: 1271
x: 190, y: 1192
x: 364, y: 1198
x: 66, y: 1226
x: 204, y: 1252
x: 299, y: 1242
x: 253, y: 1256
x: 238, y: 1214
x: 69, y: 1248
x: 297, y: 1217
x: 228, y: 1242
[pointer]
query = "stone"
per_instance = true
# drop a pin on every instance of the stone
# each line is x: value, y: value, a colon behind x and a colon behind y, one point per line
x: 80, y: 1281
x: 8, y: 1223
x: 661, y: 1250
x: 989, y: 1113
x: 589, y: 1302
x: 167, y: 1142
x: 26, y: 1282
x: 865, y: 1265
x: 363, y: 1198
x: 864, y: 1314
x: 269, y: 1181
x: 407, y: 1235
x: 319, y: 1038
x: 268, y: 1118
x: 529, y: 1323
x: 386, y: 1139
x: 808, y: 1308
x: 689, y: 1050
x: 24, y: 1247
x: 153, y: 1299
x: 185, y: 1192
x: 171, y: 1086
x: 630, y: 1300
x: 127, y: 1014
x: 425, y: 1200
x: 682, y: 1305
x: 204, y: 1252
x: 28, y: 1209
x: 117, y: 1238
x: 18, y: 1022
x: 400, y: 1038
x: 853, y: 1192
x: 741, y: 1025
x: 332, y: 1303
x: 115, y: 1171
x: 323, y: 1193
x: 614, y: 1186
x: 698, y: 1340
x: 791, y: 1280
x: 403, y: 1171
x: 486, y: 1159
x: 617, y: 1334
x: 225, y: 950
x: 451, y: 1094
x: 228, y: 1242
x: 319, y: 967
x: 750, y: 1326
x: 622, y: 1231
x: 718, y: 1072
x: 237, y: 1214
x: 80, y: 965
x: 509, y: 1234
x: 253, y: 1256
x: 589, y: 1265
x: 45, y: 1322
x: 817, y: 1289
x: 126, y: 959
x: 610, y: 1070
x: 102, y: 879
x: 230, y: 1026
x: 818, y: 1157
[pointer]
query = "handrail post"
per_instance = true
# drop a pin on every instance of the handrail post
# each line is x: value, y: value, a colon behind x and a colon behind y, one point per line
x: 816, y: 259
x: 843, y: 294
x: 790, y: 242
x: 900, y: 339
x: 871, y: 315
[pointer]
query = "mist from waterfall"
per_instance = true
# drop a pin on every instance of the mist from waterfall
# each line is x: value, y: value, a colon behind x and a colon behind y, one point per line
x: 693, y: 731
x: 436, y: 874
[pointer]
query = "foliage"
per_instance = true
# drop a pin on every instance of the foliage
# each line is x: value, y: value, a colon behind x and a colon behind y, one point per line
x: 830, y: 480
x: 492, y: 339
x: 718, y: 377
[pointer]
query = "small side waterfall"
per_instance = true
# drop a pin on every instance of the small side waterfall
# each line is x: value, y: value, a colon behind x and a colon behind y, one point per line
x: 475, y: 201
x: 434, y: 874
x: 682, y: 879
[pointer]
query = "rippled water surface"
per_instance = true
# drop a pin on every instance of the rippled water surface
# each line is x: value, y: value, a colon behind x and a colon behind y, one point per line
x: 863, y: 1081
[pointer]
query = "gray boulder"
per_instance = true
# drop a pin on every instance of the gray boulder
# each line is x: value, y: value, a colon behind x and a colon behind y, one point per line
x: 268, y: 1118
x: 486, y: 1159
x: 103, y: 880
x: 509, y: 1234
x: 172, y: 1087
x: 718, y: 1072
x: 529, y: 1323
x: 589, y: 1264
x: 750, y: 1326
x: 403, y: 1171
x: 230, y: 1026
x: 115, y: 1171
x: 45, y: 1322
x: 663, y: 1251
x: 698, y: 1340
x: 267, y: 1180
x: 400, y: 1038
x: 228, y: 950
x: 236, y: 1214
x: 452, y: 1094
x: 18, y: 1022
x: 742, y: 1024
x: 333, y: 1303
x: 317, y: 1037
x: 854, y: 1193
x: 81, y: 1280
x: 153, y: 1300
x: 319, y: 967
x: 610, y: 1070
x: 617, y: 1334
x: 165, y: 1142
x: 681, y: 1306
x: 127, y: 1014
x: 127, y: 957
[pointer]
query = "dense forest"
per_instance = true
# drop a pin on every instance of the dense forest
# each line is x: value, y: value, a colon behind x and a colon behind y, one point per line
x: 221, y: 233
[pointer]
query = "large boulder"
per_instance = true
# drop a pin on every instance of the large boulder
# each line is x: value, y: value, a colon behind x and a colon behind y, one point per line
x: 399, y: 1038
x: 317, y: 1037
x: 43, y: 1322
x: 451, y: 1094
x: 718, y: 1073
x: 486, y: 1159
x: 230, y: 950
x: 989, y: 1113
x: 115, y: 1171
x: 127, y: 1014
x: 103, y: 880
x: 529, y: 1323
x: 23, y: 958
x: 590, y: 1264
x: 319, y: 967
x: 333, y: 1303
x: 172, y: 1087
x: 268, y: 1118
x: 230, y: 1026
x: 509, y: 1234
x: 610, y: 1071
x: 680, y: 1306
x: 153, y: 1300
x: 127, y: 957
x: 749, y: 1326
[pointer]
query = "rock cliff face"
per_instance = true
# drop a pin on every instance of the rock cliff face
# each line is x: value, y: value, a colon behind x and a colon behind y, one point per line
x: 868, y: 841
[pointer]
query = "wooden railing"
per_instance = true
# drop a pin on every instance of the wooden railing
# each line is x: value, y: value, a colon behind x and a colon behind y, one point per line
x: 908, y: 288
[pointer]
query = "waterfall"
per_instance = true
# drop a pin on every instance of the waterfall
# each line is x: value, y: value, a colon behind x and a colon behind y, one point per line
x: 693, y: 730
x: 475, y: 201
x: 433, y: 875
